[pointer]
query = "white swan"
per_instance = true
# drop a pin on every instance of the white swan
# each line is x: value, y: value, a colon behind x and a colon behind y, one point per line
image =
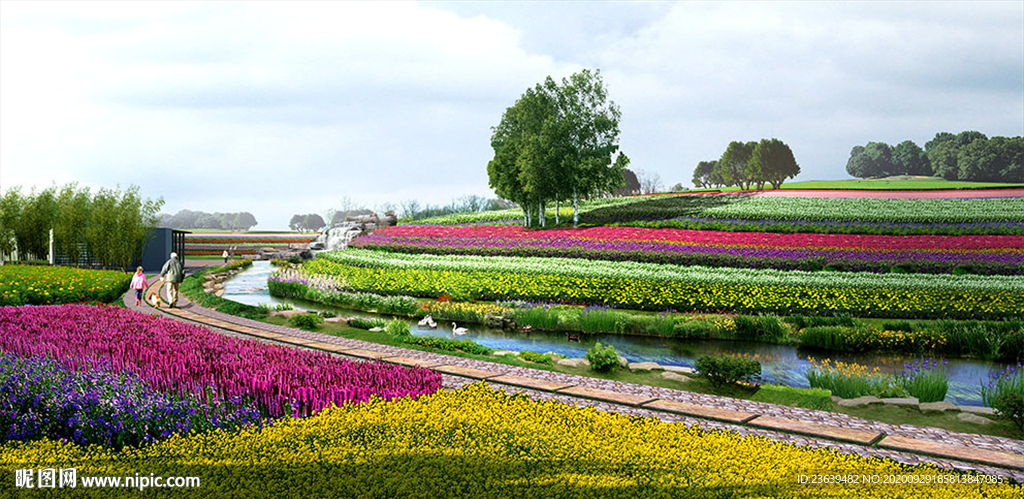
x: 458, y: 331
x: 426, y: 321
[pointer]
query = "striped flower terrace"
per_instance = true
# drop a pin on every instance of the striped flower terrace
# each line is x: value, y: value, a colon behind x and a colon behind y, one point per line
x: 985, y: 254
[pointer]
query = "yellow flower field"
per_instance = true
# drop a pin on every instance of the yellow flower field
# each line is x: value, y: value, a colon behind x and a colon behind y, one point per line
x: 680, y: 295
x: 41, y: 285
x: 477, y: 442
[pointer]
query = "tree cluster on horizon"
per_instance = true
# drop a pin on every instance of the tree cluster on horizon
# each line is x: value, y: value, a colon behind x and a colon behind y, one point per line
x: 187, y: 219
x: 557, y: 143
x: 747, y: 164
x: 969, y: 155
x: 310, y: 222
x: 108, y: 226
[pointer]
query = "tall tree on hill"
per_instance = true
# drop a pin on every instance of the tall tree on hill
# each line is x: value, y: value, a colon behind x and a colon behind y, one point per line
x: 702, y: 174
x: 872, y: 160
x: 773, y: 161
x: 909, y: 159
x: 313, y: 222
x: 732, y: 166
x: 557, y: 143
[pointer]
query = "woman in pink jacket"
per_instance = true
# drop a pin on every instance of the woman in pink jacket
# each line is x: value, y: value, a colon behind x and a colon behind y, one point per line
x: 139, y: 284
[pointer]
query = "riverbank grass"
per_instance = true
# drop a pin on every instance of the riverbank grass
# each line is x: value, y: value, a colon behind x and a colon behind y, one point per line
x: 788, y: 396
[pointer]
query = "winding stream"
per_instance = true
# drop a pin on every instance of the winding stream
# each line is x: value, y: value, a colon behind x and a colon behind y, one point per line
x: 780, y: 364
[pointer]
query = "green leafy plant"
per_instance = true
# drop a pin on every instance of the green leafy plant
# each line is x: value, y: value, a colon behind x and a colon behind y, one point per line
x: 397, y: 328
x: 360, y: 323
x: 538, y: 358
x: 760, y: 328
x: 851, y: 380
x: 308, y: 322
x: 811, y: 398
x: 1005, y: 393
x: 602, y: 358
x: 727, y: 370
x: 925, y: 379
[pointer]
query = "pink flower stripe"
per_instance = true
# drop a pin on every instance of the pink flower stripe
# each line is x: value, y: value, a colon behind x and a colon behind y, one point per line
x: 717, y: 238
x: 181, y: 358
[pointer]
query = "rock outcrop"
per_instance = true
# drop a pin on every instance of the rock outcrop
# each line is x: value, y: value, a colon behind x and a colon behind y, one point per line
x: 338, y: 236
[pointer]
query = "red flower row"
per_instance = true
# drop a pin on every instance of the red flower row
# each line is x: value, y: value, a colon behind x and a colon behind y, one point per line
x: 718, y: 238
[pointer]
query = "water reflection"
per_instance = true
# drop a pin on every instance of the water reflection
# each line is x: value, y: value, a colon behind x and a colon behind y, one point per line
x: 780, y: 364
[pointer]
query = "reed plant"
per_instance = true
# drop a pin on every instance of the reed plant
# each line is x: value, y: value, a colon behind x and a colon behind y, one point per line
x: 925, y: 379
x: 766, y: 328
x: 1005, y: 393
x: 849, y: 380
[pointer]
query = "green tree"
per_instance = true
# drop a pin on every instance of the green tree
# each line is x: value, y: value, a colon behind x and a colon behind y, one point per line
x: 38, y: 217
x: 943, y: 157
x: 556, y: 143
x: 589, y: 126
x: 1014, y: 169
x: 509, y: 141
x: 11, y: 206
x: 630, y: 186
x: 774, y: 162
x: 74, y: 205
x: 857, y: 164
x: 702, y: 174
x: 879, y: 156
x: 313, y: 222
x: 909, y: 159
x: 732, y: 166
x: 871, y: 160
x: 102, y: 231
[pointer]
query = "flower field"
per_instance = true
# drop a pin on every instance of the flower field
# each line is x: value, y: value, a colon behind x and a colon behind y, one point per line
x: 744, y: 213
x: 215, y: 244
x: 684, y: 288
x: 477, y: 442
x: 987, y: 254
x: 39, y: 285
x: 948, y: 211
x: 814, y: 214
x: 186, y: 360
x: 42, y: 399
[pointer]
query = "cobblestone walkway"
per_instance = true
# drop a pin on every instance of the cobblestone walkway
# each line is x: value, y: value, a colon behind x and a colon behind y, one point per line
x: 907, y: 444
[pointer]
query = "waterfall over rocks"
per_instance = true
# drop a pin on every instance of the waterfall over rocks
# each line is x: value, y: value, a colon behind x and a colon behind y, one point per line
x: 336, y: 238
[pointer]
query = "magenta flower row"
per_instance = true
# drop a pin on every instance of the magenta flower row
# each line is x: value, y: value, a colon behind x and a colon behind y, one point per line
x: 717, y: 238
x: 185, y: 359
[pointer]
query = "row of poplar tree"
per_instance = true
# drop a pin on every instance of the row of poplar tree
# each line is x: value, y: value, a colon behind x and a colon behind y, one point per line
x: 108, y: 226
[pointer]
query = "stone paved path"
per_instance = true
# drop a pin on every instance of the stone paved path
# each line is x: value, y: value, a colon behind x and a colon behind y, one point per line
x: 906, y: 444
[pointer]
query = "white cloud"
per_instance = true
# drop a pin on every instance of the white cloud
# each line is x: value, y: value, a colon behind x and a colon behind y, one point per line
x: 285, y: 107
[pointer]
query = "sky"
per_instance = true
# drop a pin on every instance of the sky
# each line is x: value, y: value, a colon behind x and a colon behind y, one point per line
x: 283, y: 108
